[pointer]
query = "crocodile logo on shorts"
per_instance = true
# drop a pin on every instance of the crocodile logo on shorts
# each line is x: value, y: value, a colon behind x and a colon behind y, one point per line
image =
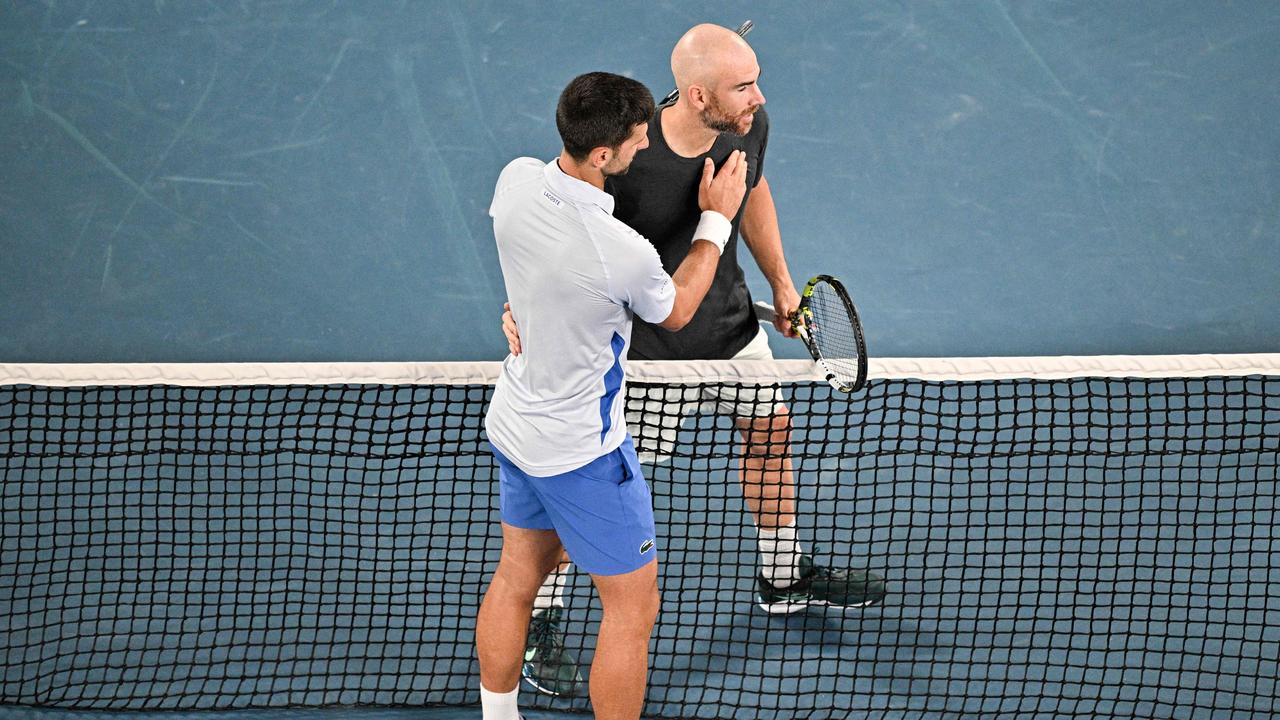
x: 646, y: 546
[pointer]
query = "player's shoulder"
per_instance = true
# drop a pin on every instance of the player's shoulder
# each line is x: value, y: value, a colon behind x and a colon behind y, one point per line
x: 518, y: 179
x: 520, y: 171
x: 613, y: 237
x: 605, y: 226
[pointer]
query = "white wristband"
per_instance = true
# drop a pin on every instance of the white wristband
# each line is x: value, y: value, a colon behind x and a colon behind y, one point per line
x: 714, y: 228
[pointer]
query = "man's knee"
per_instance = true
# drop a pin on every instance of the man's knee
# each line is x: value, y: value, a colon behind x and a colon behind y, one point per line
x: 648, y: 602
x: 767, y: 435
x: 633, y: 598
x: 640, y: 611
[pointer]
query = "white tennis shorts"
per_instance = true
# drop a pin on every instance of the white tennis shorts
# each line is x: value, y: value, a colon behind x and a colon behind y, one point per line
x: 656, y: 414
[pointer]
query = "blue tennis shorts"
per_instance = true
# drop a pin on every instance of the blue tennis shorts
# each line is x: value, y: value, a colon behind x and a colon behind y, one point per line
x: 602, y: 511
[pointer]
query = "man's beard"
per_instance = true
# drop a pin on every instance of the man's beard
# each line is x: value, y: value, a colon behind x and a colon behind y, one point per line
x: 714, y: 118
x: 612, y: 171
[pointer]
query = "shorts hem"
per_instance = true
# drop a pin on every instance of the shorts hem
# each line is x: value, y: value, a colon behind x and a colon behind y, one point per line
x: 524, y: 527
x: 612, y: 572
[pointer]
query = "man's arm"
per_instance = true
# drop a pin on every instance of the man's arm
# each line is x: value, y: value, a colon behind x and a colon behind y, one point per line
x: 692, y: 280
x: 760, y: 231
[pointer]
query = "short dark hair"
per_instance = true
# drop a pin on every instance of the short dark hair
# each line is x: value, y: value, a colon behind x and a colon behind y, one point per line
x: 600, y: 109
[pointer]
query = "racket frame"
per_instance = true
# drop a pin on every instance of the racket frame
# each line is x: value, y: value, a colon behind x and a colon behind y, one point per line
x: 804, y: 316
x: 800, y: 323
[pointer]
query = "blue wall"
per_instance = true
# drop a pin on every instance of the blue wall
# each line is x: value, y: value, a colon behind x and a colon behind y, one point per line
x: 186, y: 181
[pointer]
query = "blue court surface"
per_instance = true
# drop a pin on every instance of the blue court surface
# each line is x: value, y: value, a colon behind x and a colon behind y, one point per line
x: 306, y: 180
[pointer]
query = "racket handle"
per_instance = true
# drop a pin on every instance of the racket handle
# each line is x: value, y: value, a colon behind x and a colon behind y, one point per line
x: 765, y: 312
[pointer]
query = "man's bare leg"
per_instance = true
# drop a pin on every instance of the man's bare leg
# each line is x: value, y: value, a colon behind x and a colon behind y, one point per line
x: 527, y: 557
x: 791, y: 579
x: 768, y: 483
x: 620, y: 670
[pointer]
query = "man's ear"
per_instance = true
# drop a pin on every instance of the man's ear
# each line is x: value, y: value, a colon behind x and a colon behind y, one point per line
x: 600, y: 157
x: 697, y: 96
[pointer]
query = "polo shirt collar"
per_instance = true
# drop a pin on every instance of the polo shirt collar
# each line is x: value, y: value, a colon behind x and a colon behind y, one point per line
x: 575, y: 190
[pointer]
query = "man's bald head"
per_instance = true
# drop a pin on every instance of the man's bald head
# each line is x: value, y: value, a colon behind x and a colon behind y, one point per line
x: 706, y: 54
x: 716, y: 73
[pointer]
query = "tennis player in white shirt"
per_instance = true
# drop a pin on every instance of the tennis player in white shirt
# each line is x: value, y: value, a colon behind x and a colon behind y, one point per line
x: 568, y: 472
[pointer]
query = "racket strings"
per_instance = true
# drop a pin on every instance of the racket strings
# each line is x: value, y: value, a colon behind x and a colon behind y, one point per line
x: 832, y: 332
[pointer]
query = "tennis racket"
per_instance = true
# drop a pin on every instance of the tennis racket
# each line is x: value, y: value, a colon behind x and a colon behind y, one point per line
x: 742, y: 31
x: 828, y: 323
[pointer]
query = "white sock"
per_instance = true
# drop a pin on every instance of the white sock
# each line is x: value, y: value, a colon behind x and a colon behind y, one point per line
x: 780, y: 554
x: 551, y: 594
x: 499, y: 706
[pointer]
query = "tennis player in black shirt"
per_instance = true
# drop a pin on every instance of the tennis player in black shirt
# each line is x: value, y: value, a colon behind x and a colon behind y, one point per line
x: 720, y: 109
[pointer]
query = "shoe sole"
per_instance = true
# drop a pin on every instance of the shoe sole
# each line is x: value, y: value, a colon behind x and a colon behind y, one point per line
x: 526, y: 673
x: 790, y: 608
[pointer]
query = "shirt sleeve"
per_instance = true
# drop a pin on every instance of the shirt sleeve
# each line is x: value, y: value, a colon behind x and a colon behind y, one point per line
x: 636, y: 276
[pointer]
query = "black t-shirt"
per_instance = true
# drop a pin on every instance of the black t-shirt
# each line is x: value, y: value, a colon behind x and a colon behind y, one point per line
x: 658, y: 198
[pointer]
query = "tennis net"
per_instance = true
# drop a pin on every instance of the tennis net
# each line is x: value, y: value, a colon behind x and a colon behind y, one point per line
x: 1060, y: 537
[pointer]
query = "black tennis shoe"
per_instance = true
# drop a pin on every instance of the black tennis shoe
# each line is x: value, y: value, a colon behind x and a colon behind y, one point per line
x: 548, y: 667
x: 819, y: 586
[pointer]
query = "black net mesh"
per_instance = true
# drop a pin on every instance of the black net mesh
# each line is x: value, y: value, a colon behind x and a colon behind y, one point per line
x: 1067, y: 548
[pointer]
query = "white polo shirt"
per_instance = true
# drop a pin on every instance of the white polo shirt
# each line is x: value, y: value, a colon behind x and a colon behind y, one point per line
x: 574, y: 275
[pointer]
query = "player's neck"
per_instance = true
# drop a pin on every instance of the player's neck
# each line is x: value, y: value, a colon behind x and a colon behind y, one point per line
x: 581, y: 171
x: 684, y: 131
